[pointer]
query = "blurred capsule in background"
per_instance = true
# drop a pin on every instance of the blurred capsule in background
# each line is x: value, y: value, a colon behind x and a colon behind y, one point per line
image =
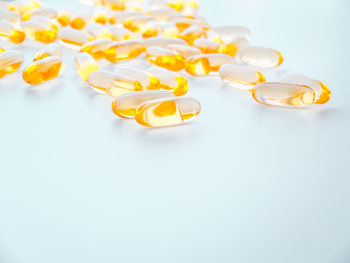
x: 163, y: 41
x: 184, y: 50
x: 73, y: 37
x: 120, y: 33
x: 202, y: 65
x: 13, y: 32
x: 39, y: 31
x: 146, y: 79
x: 64, y: 17
x: 123, y: 50
x: 10, y: 61
x: 96, y: 47
x: 10, y: 16
x: 98, y: 31
x: 207, y: 46
x: 259, y: 56
x: 225, y: 34
x: 100, y: 15
x: 165, y: 58
x: 52, y: 49
x: 85, y: 64
x: 80, y: 20
x: 47, y: 12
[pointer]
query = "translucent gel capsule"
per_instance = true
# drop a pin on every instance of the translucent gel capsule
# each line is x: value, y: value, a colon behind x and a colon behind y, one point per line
x: 73, y: 36
x: 165, y: 58
x: 51, y: 49
x: 22, y: 7
x: 14, y: 33
x: 9, y: 16
x: 120, y: 33
x: 43, y: 70
x: 184, y: 23
x: 167, y: 112
x: 10, y: 61
x: 322, y: 92
x: 136, y: 22
x: 128, y: 49
x: 96, y: 47
x: 64, y: 18
x: 184, y: 50
x: 163, y: 41
x: 112, y: 83
x: 231, y: 47
x: 122, y: 17
x: 98, y: 31
x: 228, y: 33
x: 192, y: 33
x: 125, y: 105
x: 117, y: 5
x: 259, y: 56
x: 85, y: 64
x: 283, y: 94
x: 100, y: 16
x: 80, y: 20
x: 240, y: 77
x: 39, y: 31
x: 146, y: 79
x: 163, y: 14
x: 201, y: 65
x: 170, y: 80
x: 133, y: 6
x: 170, y: 30
x: 47, y: 12
x: 207, y: 46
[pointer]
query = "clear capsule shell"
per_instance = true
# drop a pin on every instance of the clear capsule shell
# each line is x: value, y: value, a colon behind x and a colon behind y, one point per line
x: 10, y: 61
x: 259, y: 56
x: 85, y: 64
x: 52, y: 49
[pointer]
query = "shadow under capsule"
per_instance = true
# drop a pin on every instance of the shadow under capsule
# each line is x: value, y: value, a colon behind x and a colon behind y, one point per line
x: 49, y: 87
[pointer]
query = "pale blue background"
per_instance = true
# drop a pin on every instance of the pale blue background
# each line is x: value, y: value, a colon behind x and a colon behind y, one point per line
x: 243, y: 183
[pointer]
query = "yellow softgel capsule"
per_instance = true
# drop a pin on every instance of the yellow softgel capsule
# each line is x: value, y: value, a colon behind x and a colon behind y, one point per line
x: 259, y: 56
x: 163, y: 14
x: 122, y: 17
x: 43, y: 70
x: 167, y: 111
x: 22, y: 7
x: 165, y: 58
x: 80, y: 20
x: 96, y: 47
x: 64, y: 17
x: 163, y: 41
x: 143, y: 24
x: 229, y: 33
x: 133, y: 6
x: 117, y: 5
x: 100, y: 16
x: 120, y: 33
x: 73, y: 37
x: 207, y: 46
x: 202, y: 65
x: 231, y: 47
x: 322, y: 92
x: 283, y: 94
x: 47, y: 12
x: 125, y: 105
x: 146, y: 79
x: 184, y: 50
x: 112, y: 83
x: 192, y: 33
x: 52, y: 49
x: 98, y: 31
x: 85, y: 64
x: 170, y: 30
x: 39, y: 31
x: 9, y: 16
x: 123, y: 50
x: 184, y: 23
x: 13, y: 32
x: 170, y: 80
x: 10, y: 61
x: 240, y: 76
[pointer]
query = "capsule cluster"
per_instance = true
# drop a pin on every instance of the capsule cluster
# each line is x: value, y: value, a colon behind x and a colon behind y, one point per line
x: 169, y: 35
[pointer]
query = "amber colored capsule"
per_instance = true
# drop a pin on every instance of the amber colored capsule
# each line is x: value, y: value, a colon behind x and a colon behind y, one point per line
x: 178, y: 5
x: 85, y: 64
x: 80, y: 20
x: 39, y: 31
x: 13, y: 32
x: 64, y: 18
x: 9, y: 16
x: 124, y: 50
x: 97, y: 31
x: 10, y: 61
x: 259, y: 56
x: 229, y: 33
x: 165, y: 58
x: 192, y: 33
x: 47, y: 12
x: 120, y: 33
x: 163, y: 41
x: 184, y: 23
x: 2, y: 50
x: 170, y: 80
x: 73, y: 37
x: 240, y: 76
x: 283, y: 94
x: 96, y: 47
x: 122, y: 17
x: 207, y: 46
x: 51, y: 49
x: 201, y: 65
x: 125, y: 105
x: 231, y: 47
x: 322, y: 92
x: 43, y: 70
x: 117, y: 5
x: 112, y: 83
x: 170, y: 30
x: 184, y: 50
x: 100, y: 16
x: 167, y: 111
x: 146, y: 79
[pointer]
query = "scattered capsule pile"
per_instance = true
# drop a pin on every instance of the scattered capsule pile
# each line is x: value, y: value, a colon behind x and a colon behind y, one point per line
x: 171, y: 36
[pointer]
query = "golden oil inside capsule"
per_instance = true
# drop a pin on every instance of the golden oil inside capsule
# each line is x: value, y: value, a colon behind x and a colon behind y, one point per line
x: 206, y: 45
x: 202, y: 65
x: 124, y: 50
x: 184, y: 50
x: 178, y: 5
x: 165, y: 58
x: 163, y: 41
x: 100, y: 16
x: 192, y: 33
x: 96, y: 47
x: 14, y: 33
x: 85, y: 64
x: 283, y: 94
x: 23, y: 7
x: 146, y: 79
x: 120, y: 33
x: 229, y: 33
x: 137, y: 22
x: 260, y: 56
x: 112, y: 83
x: 43, y: 70
x: 9, y: 16
x: 116, y: 5
x: 167, y: 111
x: 240, y: 77
x: 170, y: 30
x: 322, y: 92
x: 79, y: 21
x: 73, y: 37
x: 99, y: 31
x: 40, y: 32
x: 125, y: 105
x: 52, y: 49
x: 184, y: 23
x: 10, y: 61
x: 47, y: 12
x: 122, y: 17
x: 64, y: 18
x: 170, y: 80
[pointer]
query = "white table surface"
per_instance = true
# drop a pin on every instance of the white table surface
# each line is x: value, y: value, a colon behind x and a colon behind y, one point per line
x: 243, y: 183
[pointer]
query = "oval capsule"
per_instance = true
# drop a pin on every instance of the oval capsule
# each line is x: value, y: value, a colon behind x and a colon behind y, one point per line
x: 184, y: 50
x: 192, y: 33
x: 123, y: 50
x: 167, y: 112
x: 96, y: 47
x: 73, y: 37
x: 98, y: 31
x: 125, y: 105
x: 43, y: 70
x: 64, y: 18
x: 283, y: 94
x: 259, y: 56
x: 85, y: 64
x: 39, y: 31
x: 100, y: 16
x: 13, y: 32
x: 47, y: 12
x: 207, y: 46
x: 147, y: 80
x: 165, y: 58
x: 10, y: 61
x: 80, y: 20
x: 10, y: 16
x: 120, y: 33
x: 163, y: 41
x: 228, y: 33
x: 52, y: 49
x: 202, y: 65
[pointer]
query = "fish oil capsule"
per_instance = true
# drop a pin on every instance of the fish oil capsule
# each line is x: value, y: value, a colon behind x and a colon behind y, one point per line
x: 117, y: 5
x: 146, y: 79
x: 122, y: 50
x: 39, y: 31
x: 229, y: 33
x: 120, y: 33
x: 122, y: 17
x: 125, y: 105
x: 96, y: 47
x: 100, y: 16
x: 231, y: 47
x: 240, y: 76
x: 184, y: 23
x: 322, y: 92
x: 163, y: 41
x: 283, y: 94
x: 13, y: 32
x: 43, y: 70
x: 22, y: 7
x: 10, y: 61
x: 191, y: 4
x: 157, y: 4
x: 133, y: 6
x: 73, y: 37
x: 97, y: 31
x: 167, y: 112
x: 259, y: 56
x: 163, y: 14
x: 85, y: 64
x: 9, y: 16
x: 207, y: 46
x: 112, y: 83
x: 170, y: 30
x: 136, y: 22
x: 170, y: 80
x: 165, y: 58
x: 64, y: 18
x: 51, y: 49
x: 201, y: 65
x: 192, y: 33
x: 80, y: 20
x: 47, y: 12
x: 184, y: 50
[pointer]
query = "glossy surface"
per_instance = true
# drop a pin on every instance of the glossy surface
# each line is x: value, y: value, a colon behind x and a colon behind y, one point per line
x: 80, y: 20
x: 85, y: 64
x: 165, y: 58
x: 184, y: 50
x: 124, y: 50
x: 201, y: 65
x: 163, y: 41
x: 191, y: 33
x: 14, y: 33
x: 39, y: 31
x: 73, y: 37
x: 52, y: 49
x: 120, y: 33
x: 10, y: 61
x: 167, y: 112
x: 64, y: 18
x: 96, y: 47
x: 229, y: 33
x: 260, y: 56
x: 98, y: 31
x: 207, y: 46
x: 147, y: 80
